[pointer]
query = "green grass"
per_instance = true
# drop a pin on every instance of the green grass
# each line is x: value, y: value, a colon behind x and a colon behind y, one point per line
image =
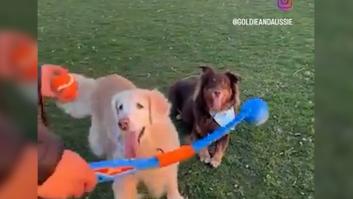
x: 154, y: 43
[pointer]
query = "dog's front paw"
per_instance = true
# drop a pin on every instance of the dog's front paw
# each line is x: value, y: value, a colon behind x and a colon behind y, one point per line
x: 205, y: 156
x: 215, y: 162
x: 205, y: 159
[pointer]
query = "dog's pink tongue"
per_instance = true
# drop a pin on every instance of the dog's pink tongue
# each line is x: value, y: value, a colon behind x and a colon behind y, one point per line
x: 130, y: 145
x: 217, y: 104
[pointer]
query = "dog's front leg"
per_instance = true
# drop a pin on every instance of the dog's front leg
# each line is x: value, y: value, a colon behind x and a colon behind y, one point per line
x: 172, y: 186
x: 125, y: 187
x: 221, y: 146
x: 96, y: 139
x: 204, y: 154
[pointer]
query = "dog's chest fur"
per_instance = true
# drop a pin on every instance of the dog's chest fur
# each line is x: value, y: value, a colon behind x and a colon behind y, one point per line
x: 205, y: 124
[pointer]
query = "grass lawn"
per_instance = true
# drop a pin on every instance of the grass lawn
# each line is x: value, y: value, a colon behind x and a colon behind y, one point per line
x: 154, y: 43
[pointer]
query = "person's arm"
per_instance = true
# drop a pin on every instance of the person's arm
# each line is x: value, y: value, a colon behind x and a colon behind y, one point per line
x: 11, y: 145
x: 18, y: 161
x: 62, y: 173
x: 50, y: 151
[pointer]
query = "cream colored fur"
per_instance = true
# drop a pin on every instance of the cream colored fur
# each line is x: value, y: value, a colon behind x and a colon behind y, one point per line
x: 160, y: 133
x: 94, y: 99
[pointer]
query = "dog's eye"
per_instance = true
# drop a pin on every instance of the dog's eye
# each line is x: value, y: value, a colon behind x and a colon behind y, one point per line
x: 120, y: 107
x: 139, y: 106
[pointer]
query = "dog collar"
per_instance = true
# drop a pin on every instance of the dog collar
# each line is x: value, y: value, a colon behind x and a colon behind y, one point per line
x: 223, y: 117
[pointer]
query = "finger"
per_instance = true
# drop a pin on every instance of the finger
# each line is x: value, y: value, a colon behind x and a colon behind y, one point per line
x: 59, y: 70
x: 50, y: 192
x: 91, y: 180
x: 56, y: 68
x: 79, y: 189
x: 46, y: 91
x: 48, y: 71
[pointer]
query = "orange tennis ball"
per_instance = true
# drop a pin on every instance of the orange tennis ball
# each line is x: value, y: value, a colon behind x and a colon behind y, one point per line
x: 65, y: 87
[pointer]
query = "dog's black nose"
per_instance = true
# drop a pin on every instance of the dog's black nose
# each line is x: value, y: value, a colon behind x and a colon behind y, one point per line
x: 217, y: 93
x: 124, y: 123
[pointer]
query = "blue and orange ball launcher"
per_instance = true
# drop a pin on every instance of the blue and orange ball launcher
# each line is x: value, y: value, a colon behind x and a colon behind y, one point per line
x: 254, y: 111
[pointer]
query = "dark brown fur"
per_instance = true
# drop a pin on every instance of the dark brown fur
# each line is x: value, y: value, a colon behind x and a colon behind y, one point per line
x: 193, y: 98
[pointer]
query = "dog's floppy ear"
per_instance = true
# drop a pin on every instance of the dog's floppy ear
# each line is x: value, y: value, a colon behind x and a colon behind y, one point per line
x: 159, y: 107
x: 206, y: 69
x: 114, y: 104
x: 233, y: 77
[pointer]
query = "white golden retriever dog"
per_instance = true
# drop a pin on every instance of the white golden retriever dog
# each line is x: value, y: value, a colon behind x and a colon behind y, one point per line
x: 146, y: 129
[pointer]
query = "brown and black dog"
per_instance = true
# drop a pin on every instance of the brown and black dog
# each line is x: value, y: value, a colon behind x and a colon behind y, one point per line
x: 195, y: 98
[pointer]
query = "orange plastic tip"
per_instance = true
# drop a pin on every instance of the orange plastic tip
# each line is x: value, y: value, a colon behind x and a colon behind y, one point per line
x: 180, y: 154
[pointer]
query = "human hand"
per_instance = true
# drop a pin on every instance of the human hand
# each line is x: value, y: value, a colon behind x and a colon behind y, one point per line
x: 72, y: 178
x: 48, y: 71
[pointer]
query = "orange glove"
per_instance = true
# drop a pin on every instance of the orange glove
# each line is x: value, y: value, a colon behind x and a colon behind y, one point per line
x: 71, y: 178
x: 58, y: 83
x: 48, y: 71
